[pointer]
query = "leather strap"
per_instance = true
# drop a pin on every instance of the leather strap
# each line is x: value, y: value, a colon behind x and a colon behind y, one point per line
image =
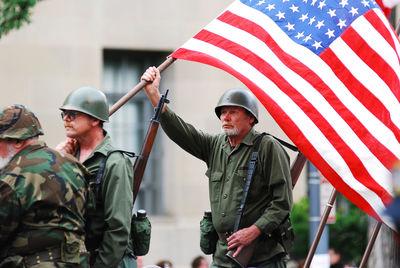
x: 47, y: 255
x: 250, y: 171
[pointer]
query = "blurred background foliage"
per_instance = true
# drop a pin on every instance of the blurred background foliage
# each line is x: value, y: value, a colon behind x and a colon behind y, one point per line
x: 14, y: 13
x: 348, y: 235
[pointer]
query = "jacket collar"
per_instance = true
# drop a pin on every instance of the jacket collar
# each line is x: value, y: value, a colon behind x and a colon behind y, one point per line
x: 248, y: 140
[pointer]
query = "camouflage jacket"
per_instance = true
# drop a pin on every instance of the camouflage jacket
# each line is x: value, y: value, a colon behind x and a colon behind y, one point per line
x: 42, y: 201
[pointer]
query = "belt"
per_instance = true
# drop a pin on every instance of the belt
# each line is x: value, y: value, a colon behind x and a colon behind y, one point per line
x: 224, y: 236
x: 53, y: 254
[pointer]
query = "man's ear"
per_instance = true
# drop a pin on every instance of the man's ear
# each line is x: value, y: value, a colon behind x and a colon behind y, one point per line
x: 95, y: 122
x: 18, y: 145
x: 252, y: 118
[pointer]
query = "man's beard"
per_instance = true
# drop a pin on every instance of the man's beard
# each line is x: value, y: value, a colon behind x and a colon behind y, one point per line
x: 5, y: 160
x: 230, y: 132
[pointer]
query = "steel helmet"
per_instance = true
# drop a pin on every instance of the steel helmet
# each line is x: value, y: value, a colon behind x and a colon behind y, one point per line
x: 238, y: 97
x: 19, y: 123
x: 88, y: 100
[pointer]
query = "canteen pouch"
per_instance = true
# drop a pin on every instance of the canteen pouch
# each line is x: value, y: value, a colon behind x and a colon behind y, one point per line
x: 140, y: 235
x: 284, y: 234
x: 208, y: 236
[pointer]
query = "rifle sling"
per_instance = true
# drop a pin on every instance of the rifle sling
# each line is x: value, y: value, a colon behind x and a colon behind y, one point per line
x: 250, y: 172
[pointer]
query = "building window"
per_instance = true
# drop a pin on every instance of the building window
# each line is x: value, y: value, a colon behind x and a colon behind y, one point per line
x: 128, y: 126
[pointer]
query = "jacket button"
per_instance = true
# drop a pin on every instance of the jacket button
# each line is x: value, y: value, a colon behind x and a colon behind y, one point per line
x: 225, y: 196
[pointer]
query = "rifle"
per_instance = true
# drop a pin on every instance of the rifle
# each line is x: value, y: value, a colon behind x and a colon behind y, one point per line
x: 247, y: 252
x: 141, y: 161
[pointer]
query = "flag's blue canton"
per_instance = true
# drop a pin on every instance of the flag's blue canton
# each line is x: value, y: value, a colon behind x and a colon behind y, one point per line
x: 314, y: 24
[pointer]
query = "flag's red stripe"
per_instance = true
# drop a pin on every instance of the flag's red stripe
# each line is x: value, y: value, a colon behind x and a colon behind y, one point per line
x: 373, y: 59
x: 385, y: 9
x: 365, y: 97
x: 267, y: 70
x: 358, y: 89
x: 287, y: 125
x: 380, y: 27
x: 385, y: 156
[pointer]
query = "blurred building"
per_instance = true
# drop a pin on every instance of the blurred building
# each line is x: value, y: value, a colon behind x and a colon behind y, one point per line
x: 108, y: 45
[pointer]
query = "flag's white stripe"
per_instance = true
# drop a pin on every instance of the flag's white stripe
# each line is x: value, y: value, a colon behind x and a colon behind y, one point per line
x: 381, y: 47
x: 389, y: 28
x: 243, y: 38
x: 376, y: 41
x: 319, y: 67
x: 367, y: 77
x: 300, y: 119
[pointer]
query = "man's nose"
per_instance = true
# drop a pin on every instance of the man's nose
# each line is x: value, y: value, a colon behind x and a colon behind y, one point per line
x: 66, y: 118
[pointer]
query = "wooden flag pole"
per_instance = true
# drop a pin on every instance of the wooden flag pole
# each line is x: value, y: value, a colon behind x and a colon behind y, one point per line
x: 138, y: 87
x: 398, y: 28
x: 321, y: 227
x: 371, y: 243
x: 297, y: 167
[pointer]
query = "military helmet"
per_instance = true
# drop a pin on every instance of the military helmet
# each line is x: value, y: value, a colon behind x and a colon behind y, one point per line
x: 19, y: 123
x: 238, y: 97
x: 88, y: 100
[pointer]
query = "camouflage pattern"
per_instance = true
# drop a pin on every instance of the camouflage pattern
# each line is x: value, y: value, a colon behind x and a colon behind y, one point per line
x: 43, y: 197
x: 18, y: 122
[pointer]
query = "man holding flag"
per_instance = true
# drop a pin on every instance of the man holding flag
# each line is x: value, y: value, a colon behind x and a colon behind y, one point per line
x: 227, y: 157
x: 328, y: 72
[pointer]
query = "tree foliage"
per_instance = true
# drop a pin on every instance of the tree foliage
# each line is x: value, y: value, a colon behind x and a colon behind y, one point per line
x: 299, y: 217
x: 348, y: 234
x: 14, y: 13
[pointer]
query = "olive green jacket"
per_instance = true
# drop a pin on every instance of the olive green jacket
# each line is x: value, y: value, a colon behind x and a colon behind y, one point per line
x: 43, y: 195
x: 109, y: 227
x: 270, y: 196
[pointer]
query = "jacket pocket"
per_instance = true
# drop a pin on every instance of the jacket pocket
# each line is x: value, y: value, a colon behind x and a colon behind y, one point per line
x: 215, y: 184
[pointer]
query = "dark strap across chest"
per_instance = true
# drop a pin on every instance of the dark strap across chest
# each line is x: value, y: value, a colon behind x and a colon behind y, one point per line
x: 250, y: 172
x: 102, y: 166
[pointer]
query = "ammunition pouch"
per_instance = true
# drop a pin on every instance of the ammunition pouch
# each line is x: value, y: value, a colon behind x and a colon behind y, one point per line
x: 208, y: 236
x: 140, y: 235
x: 284, y: 234
x: 71, y: 249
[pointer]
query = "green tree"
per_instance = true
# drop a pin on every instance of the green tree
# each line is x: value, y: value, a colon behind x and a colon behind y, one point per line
x: 14, y: 13
x: 299, y: 217
x: 348, y: 234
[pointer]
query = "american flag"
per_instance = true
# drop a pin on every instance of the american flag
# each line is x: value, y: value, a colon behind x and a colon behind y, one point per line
x: 328, y: 72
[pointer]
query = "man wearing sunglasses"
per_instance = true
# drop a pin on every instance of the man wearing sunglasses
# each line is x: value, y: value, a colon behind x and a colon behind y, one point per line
x: 108, y: 233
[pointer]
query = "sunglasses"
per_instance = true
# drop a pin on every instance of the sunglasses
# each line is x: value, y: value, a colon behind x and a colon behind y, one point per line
x: 71, y: 115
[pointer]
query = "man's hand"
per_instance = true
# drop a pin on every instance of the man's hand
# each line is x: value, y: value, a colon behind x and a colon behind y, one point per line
x: 153, y: 77
x: 242, y: 238
x: 68, y: 146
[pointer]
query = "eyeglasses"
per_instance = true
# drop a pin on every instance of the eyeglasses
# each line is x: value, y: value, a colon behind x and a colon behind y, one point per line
x: 71, y: 115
